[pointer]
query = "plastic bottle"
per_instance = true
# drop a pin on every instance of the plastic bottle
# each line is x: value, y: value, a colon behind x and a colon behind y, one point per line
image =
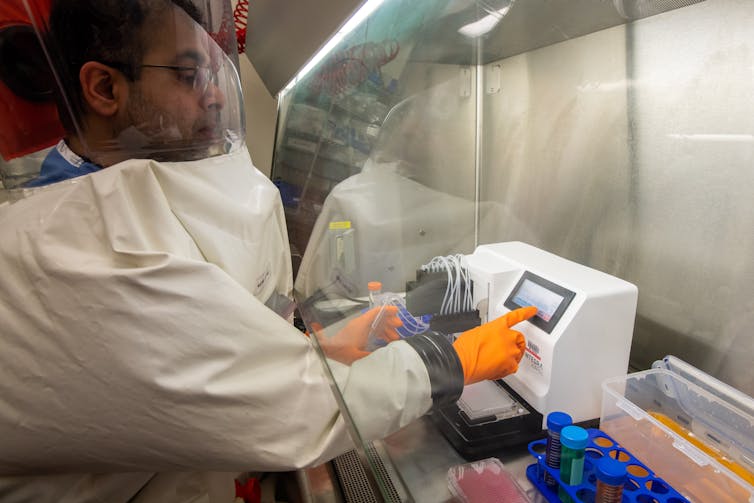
x: 611, y: 475
x: 375, y: 289
x: 573, y: 440
x: 556, y: 421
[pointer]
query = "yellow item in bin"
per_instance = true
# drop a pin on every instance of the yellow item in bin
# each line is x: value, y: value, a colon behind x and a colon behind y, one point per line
x: 707, y: 449
x: 633, y: 407
x: 654, y: 447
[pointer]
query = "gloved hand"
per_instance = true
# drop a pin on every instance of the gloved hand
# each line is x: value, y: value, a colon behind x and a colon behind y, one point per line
x: 493, y: 350
x: 349, y: 344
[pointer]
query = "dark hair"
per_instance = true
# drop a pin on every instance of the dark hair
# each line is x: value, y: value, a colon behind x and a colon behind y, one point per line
x: 108, y: 31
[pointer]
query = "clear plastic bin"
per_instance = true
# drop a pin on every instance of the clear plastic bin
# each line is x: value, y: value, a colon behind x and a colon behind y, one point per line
x: 485, y: 481
x: 699, y: 440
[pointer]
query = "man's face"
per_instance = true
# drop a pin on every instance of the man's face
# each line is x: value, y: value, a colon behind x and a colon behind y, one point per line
x: 174, y: 113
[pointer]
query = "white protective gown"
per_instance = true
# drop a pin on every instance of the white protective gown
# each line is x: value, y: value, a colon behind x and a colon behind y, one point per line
x: 400, y: 224
x: 136, y: 339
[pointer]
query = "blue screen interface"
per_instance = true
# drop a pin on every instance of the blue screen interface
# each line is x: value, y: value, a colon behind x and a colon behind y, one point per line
x: 532, y: 294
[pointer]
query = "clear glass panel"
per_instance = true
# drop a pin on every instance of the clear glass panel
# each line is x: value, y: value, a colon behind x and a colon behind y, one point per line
x: 616, y: 134
x: 629, y: 150
x: 382, y: 101
x: 372, y: 186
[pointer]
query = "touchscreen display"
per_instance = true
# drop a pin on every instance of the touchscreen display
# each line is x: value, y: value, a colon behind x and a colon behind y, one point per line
x: 532, y: 294
x: 550, y: 299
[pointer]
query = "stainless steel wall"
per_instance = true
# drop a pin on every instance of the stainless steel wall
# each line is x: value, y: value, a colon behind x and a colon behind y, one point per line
x: 632, y: 150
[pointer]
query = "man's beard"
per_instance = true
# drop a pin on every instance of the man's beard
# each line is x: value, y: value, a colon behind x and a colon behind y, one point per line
x: 153, y: 133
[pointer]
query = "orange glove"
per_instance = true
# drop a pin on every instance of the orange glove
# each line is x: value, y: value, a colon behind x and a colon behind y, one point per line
x: 349, y: 344
x: 493, y: 350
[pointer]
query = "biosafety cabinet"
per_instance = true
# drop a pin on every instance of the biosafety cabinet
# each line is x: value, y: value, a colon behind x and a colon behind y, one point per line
x: 617, y: 135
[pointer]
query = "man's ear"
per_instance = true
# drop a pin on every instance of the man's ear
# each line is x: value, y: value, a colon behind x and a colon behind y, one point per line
x: 103, y: 88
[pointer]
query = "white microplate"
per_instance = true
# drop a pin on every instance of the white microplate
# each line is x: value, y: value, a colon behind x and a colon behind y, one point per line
x: 486, y: 398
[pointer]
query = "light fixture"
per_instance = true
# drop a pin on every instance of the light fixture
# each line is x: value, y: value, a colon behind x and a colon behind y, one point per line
x: 488, y: 22
x: 360, y: 15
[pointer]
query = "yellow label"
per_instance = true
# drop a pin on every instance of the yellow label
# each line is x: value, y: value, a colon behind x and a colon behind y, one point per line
x: 346, y: 224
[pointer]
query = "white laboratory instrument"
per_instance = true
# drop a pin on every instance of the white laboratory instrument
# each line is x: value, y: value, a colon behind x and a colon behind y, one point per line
x: 580, y: 336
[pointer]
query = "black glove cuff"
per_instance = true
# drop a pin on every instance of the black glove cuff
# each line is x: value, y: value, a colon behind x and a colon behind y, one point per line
x: 443, y: 366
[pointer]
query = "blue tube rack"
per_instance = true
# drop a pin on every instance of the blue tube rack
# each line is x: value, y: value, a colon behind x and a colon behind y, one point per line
x: 642, y: 486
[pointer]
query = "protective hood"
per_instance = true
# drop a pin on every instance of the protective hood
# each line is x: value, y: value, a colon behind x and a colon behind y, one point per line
x: 142, y: 79
x: 28, y: 118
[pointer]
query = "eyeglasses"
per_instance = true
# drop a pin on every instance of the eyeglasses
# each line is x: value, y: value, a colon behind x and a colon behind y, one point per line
x: 196, y: 77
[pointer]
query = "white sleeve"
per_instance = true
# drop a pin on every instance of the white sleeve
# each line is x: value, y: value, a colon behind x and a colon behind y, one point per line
x: 172, y: 366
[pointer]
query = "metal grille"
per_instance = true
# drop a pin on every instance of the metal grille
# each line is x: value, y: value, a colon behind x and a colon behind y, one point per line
x: 354, y: 480
x: 382, y: 473
x: 637, y: 9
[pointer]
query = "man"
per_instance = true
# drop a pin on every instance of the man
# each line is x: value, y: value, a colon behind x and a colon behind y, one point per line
x: 138, y: 344
x: 159, y: 100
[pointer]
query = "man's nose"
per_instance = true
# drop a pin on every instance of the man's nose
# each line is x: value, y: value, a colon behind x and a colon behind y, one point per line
x: 213, y: 97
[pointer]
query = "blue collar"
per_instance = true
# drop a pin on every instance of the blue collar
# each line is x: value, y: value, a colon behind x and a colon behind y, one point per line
x: 62, y: 163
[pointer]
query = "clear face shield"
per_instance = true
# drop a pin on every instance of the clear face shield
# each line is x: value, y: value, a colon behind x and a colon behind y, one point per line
x: 152, y: 79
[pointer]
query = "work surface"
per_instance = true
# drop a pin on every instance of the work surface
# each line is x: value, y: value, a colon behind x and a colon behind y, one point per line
x: 422, y: 457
